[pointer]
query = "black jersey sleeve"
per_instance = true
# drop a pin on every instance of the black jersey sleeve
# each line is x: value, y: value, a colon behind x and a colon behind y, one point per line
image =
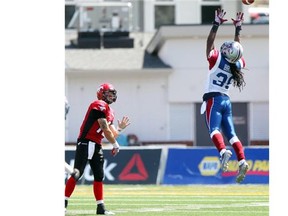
x: 98, y: 114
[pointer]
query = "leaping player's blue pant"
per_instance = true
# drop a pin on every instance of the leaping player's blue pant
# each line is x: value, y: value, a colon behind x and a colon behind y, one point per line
x: 218, y: 116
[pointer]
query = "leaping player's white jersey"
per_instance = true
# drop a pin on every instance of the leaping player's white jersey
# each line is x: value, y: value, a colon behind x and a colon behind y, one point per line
x: 219, y: 76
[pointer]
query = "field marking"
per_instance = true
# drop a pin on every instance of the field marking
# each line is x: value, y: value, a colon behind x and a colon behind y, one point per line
x: 259, y: 204
x: 203, y: 200
x: 167, y: 201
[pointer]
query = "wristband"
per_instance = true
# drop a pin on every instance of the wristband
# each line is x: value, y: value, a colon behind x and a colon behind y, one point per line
x: 215, y: 27
x: 115, y: 145
x: 237, y: 30
x: 119, y: 129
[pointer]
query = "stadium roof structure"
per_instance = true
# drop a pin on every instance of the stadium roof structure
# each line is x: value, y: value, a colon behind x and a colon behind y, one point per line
x: 167, y: 32
x: 123, y: 60
x: 112, y: 59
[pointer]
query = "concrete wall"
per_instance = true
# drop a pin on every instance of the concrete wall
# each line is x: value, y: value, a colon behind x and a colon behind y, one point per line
x: 187, y: 58
x: 144, y: 98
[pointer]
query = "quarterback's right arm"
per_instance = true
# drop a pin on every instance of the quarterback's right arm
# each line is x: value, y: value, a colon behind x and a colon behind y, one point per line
x: 109, y: 134
x: 106, y: 130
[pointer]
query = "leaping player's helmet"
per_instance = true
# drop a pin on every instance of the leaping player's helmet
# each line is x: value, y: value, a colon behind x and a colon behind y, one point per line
x: 107, y: 93
x: 232, y: 51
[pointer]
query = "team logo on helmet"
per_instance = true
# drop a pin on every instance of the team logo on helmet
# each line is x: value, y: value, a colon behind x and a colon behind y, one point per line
x: 232, y: 51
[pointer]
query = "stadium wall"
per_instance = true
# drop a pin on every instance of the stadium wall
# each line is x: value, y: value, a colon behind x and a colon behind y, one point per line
x: 175, y: 166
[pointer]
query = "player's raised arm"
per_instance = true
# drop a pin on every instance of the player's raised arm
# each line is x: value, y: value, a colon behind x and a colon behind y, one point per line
x: 219, y: 19
x: 238, y: 23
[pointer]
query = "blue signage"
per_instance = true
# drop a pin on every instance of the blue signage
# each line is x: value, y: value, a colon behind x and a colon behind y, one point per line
x: 202, y: 166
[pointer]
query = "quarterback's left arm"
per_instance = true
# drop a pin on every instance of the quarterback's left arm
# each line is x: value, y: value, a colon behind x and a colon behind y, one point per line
x: 125, y: 122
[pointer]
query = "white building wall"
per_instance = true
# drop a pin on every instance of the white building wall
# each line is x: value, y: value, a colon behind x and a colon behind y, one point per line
x: 149, y: 16
x: 187, y: 12
x: 259, y: 121
x: 182, y: 125
x: 157, y: 101
x: 187, y: 58
x: 143, y: 98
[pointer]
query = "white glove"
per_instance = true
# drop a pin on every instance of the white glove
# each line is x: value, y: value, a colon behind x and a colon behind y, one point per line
x: 219, y: 17
x: 239, y: 19
x: 116, y: 148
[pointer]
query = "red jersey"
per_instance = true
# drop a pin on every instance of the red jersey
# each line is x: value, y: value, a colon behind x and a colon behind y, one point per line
x: 90, y: 129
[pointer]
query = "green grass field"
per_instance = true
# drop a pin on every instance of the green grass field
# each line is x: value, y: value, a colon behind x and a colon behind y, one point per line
x: 194, y: 200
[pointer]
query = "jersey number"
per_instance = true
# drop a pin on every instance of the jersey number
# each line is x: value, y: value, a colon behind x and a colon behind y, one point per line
x: 223, y: 80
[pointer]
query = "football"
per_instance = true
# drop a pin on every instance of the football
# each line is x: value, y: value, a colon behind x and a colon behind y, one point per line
x: 247, y: 2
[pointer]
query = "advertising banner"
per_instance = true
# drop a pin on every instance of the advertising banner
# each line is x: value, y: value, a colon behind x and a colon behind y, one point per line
x: 130, y: 166
x: 202, y: 166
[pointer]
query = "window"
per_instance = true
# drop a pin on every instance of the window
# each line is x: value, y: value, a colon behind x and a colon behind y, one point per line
x: 164, y: 15
x: 208, y: 13
x: 69, y: 12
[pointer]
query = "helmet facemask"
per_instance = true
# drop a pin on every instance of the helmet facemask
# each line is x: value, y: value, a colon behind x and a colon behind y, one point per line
x: 107, y: 93
x: 110, y: 96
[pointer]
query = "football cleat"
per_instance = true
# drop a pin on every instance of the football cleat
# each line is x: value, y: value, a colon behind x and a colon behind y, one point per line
x: 102, y: 211
x: 242, y: 172
x: 66, y: 204
x: 224, y: 160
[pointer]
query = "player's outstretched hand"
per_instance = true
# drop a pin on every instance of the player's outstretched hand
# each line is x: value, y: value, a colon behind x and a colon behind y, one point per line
x: 123, y: 123
x: 219, y: 16
x: 239, y: 19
